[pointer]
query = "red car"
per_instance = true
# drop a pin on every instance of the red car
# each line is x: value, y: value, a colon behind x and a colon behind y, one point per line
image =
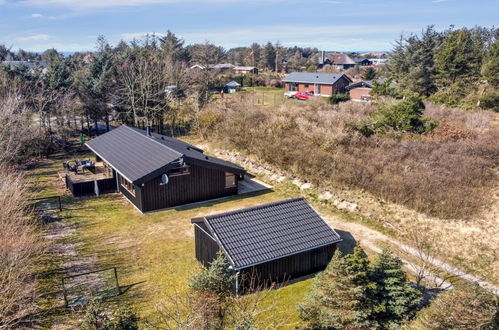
x: 304, y: 95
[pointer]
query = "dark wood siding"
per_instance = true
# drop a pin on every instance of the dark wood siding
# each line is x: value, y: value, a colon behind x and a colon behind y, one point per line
x: 137, y: 199
x: 274, y: 271
x: 288, y: 268
x: 206, y: 247
x: 201, y: 184
x: 340, y: 84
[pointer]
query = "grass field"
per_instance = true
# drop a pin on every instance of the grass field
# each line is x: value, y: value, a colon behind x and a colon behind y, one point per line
x: 154, y: 253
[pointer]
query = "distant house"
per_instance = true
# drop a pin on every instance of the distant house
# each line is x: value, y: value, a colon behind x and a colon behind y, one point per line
x: 360, y: 91
x: 337, y: 60
x: 245, y: 70
x: 269, y: 243
x: 231, y: 87
x: 362, y: 61
x: 378, y: 61
x: 154, y: 171
x: 324, y: 84
x: 28, y: 65
x: 222, y: 67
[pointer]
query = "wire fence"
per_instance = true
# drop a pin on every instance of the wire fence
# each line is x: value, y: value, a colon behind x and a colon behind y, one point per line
x: 81, y: 288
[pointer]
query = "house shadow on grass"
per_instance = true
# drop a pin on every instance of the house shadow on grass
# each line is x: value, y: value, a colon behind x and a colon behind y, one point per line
x: 213, y: 202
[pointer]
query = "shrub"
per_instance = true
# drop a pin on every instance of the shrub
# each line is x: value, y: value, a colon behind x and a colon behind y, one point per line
x: 97, y: 317
x: 490, y: 101
x: 441, y: 176
x: 352, y: 293
x: 403, y: 116
x: 467, y: 306
x: 337, y: 98
x: 20, y: 247
x: 218, y: 279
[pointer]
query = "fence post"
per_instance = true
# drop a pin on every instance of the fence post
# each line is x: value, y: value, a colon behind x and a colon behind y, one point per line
x: 116, y: 278
x: 64, y: 293
x: 60, y: 204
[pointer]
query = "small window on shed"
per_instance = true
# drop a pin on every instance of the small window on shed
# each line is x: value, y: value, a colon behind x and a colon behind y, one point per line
x: 305, y: 85
x: 127, y: 185
x: 230, y: 180
x: 182, y: 170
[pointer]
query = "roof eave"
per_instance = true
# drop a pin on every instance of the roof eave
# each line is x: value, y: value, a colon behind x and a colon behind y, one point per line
x: 287, y: 255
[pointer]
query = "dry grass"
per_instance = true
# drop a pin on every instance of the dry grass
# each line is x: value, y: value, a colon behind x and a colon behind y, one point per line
x: 20, y: 245
x: 448, y: 173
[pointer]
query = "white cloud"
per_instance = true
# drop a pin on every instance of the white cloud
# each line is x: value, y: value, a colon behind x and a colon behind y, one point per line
x: 33, y: 37
x: 36, y: 15
x: 139, y: 35
x: 339, y: 37
x: 438, y: 1
x: 293, y: 34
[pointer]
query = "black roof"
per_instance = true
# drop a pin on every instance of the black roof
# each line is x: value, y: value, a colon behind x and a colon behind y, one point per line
x: 139, y: 157
x: 266, y: 232
x: 315, y: 77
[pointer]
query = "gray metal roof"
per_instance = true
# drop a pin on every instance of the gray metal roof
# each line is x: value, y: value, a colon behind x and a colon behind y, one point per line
x: 313, y: 77
x: 244, y: 68
x: 266, y: 232
x: 139, y: 157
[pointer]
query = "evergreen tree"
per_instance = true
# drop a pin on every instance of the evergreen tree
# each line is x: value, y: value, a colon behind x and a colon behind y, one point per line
x: 173, y: 47
x: 396, y: 300
x: 219, y: 278
x: 490, y: 68
x: 267, y: 57
x: 339, y: 297
x: 255, y: 54
x: 460, y: 56
x: 369, y: 73
x: 58, y: 75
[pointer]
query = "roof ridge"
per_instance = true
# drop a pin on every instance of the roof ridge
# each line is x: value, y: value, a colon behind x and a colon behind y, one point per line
x: 152, y: 139
x: 257, y: 207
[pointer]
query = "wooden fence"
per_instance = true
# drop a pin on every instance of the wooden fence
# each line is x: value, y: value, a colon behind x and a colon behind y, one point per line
x: 91, y: 187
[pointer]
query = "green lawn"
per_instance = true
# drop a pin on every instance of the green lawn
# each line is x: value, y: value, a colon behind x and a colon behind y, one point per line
x: 154, y: 253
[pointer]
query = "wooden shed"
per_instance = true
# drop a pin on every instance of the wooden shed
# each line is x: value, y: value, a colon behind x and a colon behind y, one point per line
x: 155, y: 172
x: 271, y: 243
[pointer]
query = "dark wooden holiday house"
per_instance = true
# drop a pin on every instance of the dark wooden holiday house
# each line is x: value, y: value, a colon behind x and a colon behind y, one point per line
x: 267, y: 244
x: 155, y: 172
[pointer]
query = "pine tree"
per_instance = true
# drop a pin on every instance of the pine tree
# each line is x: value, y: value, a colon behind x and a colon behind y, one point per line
x: 173, y: 47
x: 490, y: 68
x: 396, y: 300
x: 369, y: 74
x: 460, y: 56
x: 267, y: 57
x: 218, y: 279
x: 339, y: 297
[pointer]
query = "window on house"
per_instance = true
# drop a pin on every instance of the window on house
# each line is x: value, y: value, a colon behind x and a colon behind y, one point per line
x: 230, y: 180
x: 182, y: 170
x: 127, y: 185
x: 305, y: 85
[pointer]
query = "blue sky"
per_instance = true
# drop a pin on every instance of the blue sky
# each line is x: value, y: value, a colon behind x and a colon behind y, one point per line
x: 73, y: 25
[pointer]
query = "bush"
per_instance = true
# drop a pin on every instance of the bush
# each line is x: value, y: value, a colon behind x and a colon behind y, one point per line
x: 337, y: 98
x: 96, y: 317
x: 467, y: 306
x: 353, y: 293
x: 403, y: 116
x: 490, y: 101
x: 218, y: 279
x: 442, y: 176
